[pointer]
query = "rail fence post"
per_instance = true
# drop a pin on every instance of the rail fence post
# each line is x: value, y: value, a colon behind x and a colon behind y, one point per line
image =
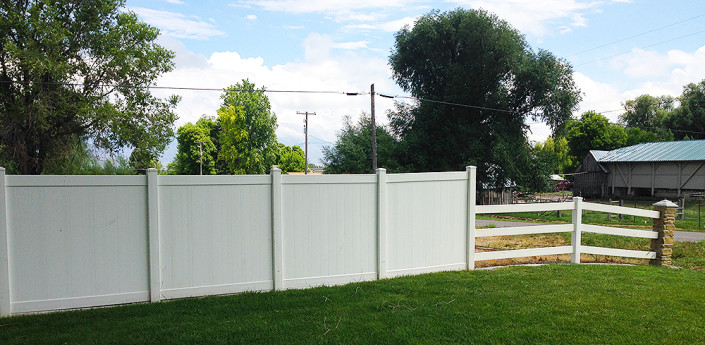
x: 155, y: 273
x: 470, y: 226
x: 381, y: 223
x: 577, y: 231
x: 277, y: 230
x: 5, y: 302
x: 664, y: 225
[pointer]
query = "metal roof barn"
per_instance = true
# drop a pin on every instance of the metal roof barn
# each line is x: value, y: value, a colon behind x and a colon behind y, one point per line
x: 668, y: 169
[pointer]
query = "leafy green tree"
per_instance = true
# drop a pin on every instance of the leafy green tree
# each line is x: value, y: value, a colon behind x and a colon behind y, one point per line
x: 188, y: 157
x: 593, y: 132
x: 689, y: 118
x: 637, y: 135
x: 352, y: 152
x: 82, y: 160
x: 290, y: 159
x: 248, y: 143
x: 471, y: 57
x: 645, y: 117
x: 556, y: 153
x: 47, y: 46
x: 646, y: 112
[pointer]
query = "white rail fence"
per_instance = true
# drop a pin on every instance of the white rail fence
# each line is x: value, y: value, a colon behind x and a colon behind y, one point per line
x: 81, y: 241
x: 576, y: 229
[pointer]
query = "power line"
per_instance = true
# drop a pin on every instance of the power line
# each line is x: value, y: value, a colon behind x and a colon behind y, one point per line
x: 321, y: 140
x: 154, y: 87
x: 644, y: 47
x: 454, y: 104
x: 637, y: 35
x: 266, y: 90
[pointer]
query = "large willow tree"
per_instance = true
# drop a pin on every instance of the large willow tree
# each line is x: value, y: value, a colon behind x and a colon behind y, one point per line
x: 487, y: 81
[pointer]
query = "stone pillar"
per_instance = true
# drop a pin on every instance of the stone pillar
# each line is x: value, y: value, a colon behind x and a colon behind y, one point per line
x: 665, y: 225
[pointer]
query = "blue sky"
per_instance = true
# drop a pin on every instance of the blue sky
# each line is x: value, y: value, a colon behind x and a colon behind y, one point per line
x: 619, y: 49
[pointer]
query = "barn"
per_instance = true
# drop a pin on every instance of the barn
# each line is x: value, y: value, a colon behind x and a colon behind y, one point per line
x: 659, y: 169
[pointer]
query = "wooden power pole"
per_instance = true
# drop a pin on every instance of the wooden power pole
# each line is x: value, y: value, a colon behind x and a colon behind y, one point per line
x: 374, y: 128
x: 306, y: 114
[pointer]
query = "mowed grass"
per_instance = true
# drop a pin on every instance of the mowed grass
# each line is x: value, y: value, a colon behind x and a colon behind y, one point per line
x: 554, y: 304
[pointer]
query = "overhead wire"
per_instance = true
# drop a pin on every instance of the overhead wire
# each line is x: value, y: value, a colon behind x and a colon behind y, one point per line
x: 637, y: 35
x: 384, y: 95
x: 644, y: 47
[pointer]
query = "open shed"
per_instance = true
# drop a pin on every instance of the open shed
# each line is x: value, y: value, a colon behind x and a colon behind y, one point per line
x: 661, y: 169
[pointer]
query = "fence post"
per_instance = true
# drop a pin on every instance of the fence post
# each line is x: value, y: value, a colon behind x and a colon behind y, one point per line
x: 470, y: 226
x: 577, y: 231
x: 155, y: 273
x: 381, y: 223
x: 5, y: 302
x: 277, y: 230
x: 664, y: 225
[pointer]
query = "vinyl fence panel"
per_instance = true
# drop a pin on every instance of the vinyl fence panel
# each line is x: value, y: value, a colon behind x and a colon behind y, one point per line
x: 76, y: 241
x: 215, y: 234
x: 329, y: 229
x: 427, y: 219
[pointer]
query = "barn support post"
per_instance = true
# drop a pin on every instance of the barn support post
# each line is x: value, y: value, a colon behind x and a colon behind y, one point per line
x: 665, y: 226
x: 653, y: 177
x: 680, y: 178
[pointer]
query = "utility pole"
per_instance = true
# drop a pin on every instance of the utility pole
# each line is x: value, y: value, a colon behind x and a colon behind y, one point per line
x: 200, y: 153
x: 374, y: 128
x: 306, y: 114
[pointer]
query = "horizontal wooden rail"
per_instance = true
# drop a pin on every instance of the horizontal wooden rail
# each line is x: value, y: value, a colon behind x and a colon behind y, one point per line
x: 513, y: 208
x: 597, y: 229
x: 627, y: 253
x: 520, y: 253
x: 524, y: 230
x: 620, y: 210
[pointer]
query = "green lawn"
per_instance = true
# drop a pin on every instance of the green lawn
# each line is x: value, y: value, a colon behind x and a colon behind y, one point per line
x: 555, y: 304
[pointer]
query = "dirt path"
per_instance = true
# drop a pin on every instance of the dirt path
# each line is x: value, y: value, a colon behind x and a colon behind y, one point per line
x: 684, y: 236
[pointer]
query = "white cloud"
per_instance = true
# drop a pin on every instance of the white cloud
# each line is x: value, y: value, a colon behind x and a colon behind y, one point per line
x: 324, y: 69
x: 321, y: 6
x: 676, y: 69
x: 175, y: 2
x: 598, y: 96
x: 533, y: 16
x: 351, y: 45
x: 251, y: 17
x: 178, y: 25
x: 391, y: 26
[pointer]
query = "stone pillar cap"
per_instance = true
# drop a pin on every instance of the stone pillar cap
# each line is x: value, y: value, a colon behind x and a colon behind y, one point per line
x: 666, y: 203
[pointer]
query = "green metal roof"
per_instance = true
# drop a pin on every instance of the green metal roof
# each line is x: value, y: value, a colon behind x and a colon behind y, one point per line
x: 664, y: 151
x: 599, y: 154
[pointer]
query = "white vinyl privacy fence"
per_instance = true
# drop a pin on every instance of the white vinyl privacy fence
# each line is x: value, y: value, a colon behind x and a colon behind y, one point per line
x: 80, y: 241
